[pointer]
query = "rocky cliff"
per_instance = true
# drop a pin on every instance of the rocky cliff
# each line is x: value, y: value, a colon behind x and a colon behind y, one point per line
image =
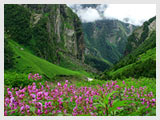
x: 107, y: 38
x: 140, y: 54
x: 140, y: 34
x: 52, y: 31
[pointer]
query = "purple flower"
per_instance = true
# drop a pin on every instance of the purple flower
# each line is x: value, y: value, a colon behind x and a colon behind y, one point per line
x: 123, y: 82
x: 39, y: 95
x: 143, y: 103
x: 46, y: 94
x: 39, y: 105
x: 117, y: 86
x: 39, y: 112
x: 65, y: 111
x: 76, y: 101
x: 60, y: 101
x: 46, y: 111
x: 74, y: 109
x: 154, y: 100
x: 53, y: 112
x: 12, y: 99
x: 5, y: 113
x: 65, y: 85
x: 59, y: 84
x: 113, y: 83
x: 27, y: 107
x: 22, y: 108
x: 71, y: 99
x: 75, y: 97
x: 80, y: 98
x: 87, y: 100
x: 58, y: 111
x: 9, y: 93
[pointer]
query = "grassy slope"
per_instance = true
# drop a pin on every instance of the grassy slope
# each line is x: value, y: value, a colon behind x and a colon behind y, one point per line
x: 27, y: 62
x: 150, y: 54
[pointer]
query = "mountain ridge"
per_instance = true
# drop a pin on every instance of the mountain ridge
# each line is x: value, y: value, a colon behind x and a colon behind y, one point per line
x: 137, y: 64
x: 106, y: 39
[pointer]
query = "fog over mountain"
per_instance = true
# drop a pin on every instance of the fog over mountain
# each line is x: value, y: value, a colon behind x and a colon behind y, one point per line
x: 134, y: 14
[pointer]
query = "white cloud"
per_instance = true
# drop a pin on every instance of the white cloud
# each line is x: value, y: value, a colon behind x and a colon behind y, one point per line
x: 89, y: 15
x: 135, y: 13
x: 130, y: 13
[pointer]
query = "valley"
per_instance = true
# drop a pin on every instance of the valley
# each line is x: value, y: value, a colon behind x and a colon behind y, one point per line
x: 57, y: 65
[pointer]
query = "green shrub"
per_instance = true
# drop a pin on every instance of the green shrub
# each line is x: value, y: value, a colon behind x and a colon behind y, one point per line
x: 13, y: 79
x: 9, y: 60
x: 17, y: 23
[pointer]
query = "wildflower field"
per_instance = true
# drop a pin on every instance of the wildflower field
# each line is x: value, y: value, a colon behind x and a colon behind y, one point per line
x: 129, y: 97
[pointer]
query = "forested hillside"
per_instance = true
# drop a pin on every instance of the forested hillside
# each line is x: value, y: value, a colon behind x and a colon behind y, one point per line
x: 140, y: 54
x: 51, y: 32
x: 105, y: 42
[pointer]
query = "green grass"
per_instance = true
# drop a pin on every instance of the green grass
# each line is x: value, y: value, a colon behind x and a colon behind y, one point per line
x: 150, y: 54
x: 137, y: 83
x: 28, y: 62
x: 141, y: 82
x: 107, y: 62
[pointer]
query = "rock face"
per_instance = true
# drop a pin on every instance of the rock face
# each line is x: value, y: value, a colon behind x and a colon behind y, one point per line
x: 54, y: 30
x: 140, y: 34
x: 107, y: 38
x: 63, y: 28
x: 140, y: 54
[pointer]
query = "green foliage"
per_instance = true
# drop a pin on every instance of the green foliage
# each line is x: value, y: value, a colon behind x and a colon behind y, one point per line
x: 140, y: 62
x: 152, y: 19
x: 46, y: 14
x: 133, y: 40
x: 13, y: 79
x: 9, y: 60
x: 144, y: 65
x: 97, y: 63
x: 29, y: 63
x: 129, y: 46
x: 106, y: 39
x: 68, y: 25
x: 37, y: 27
x: 17, y: 23
x: 42, y: 47
x: 145, y: 32
x: 105, y: 102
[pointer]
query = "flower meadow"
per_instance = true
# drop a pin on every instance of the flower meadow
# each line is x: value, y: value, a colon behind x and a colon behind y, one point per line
x: 65, y: 99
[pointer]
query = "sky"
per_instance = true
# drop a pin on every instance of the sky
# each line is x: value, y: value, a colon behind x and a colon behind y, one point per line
x: 134, y: 14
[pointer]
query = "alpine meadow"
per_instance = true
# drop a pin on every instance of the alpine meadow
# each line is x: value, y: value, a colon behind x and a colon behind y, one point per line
x: 79, y: 60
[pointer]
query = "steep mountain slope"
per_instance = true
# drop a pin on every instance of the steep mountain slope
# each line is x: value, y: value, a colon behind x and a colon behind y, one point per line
x: 25, y: 59
x: 106, y: 39
x: 141, y: 54
x: 51, y: 32
x: 140, y: 35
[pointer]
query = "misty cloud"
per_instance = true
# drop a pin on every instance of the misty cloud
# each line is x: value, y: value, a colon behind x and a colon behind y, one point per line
x: 88, y: 13
x: 130, y: 13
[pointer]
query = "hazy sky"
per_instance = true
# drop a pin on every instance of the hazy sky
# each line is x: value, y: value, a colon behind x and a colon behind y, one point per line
x: 130, y: 13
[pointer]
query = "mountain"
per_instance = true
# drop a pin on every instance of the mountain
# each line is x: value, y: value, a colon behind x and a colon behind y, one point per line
x: 50, y: 34
x: 46, y: 27
x: 140, y: 54
x: 105, y: 40
x: 140, y: 35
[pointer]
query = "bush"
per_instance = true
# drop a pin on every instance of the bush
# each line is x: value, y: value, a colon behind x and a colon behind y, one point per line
x: 17, y: 23
x: 13, y: 79
x: 9, y: 60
